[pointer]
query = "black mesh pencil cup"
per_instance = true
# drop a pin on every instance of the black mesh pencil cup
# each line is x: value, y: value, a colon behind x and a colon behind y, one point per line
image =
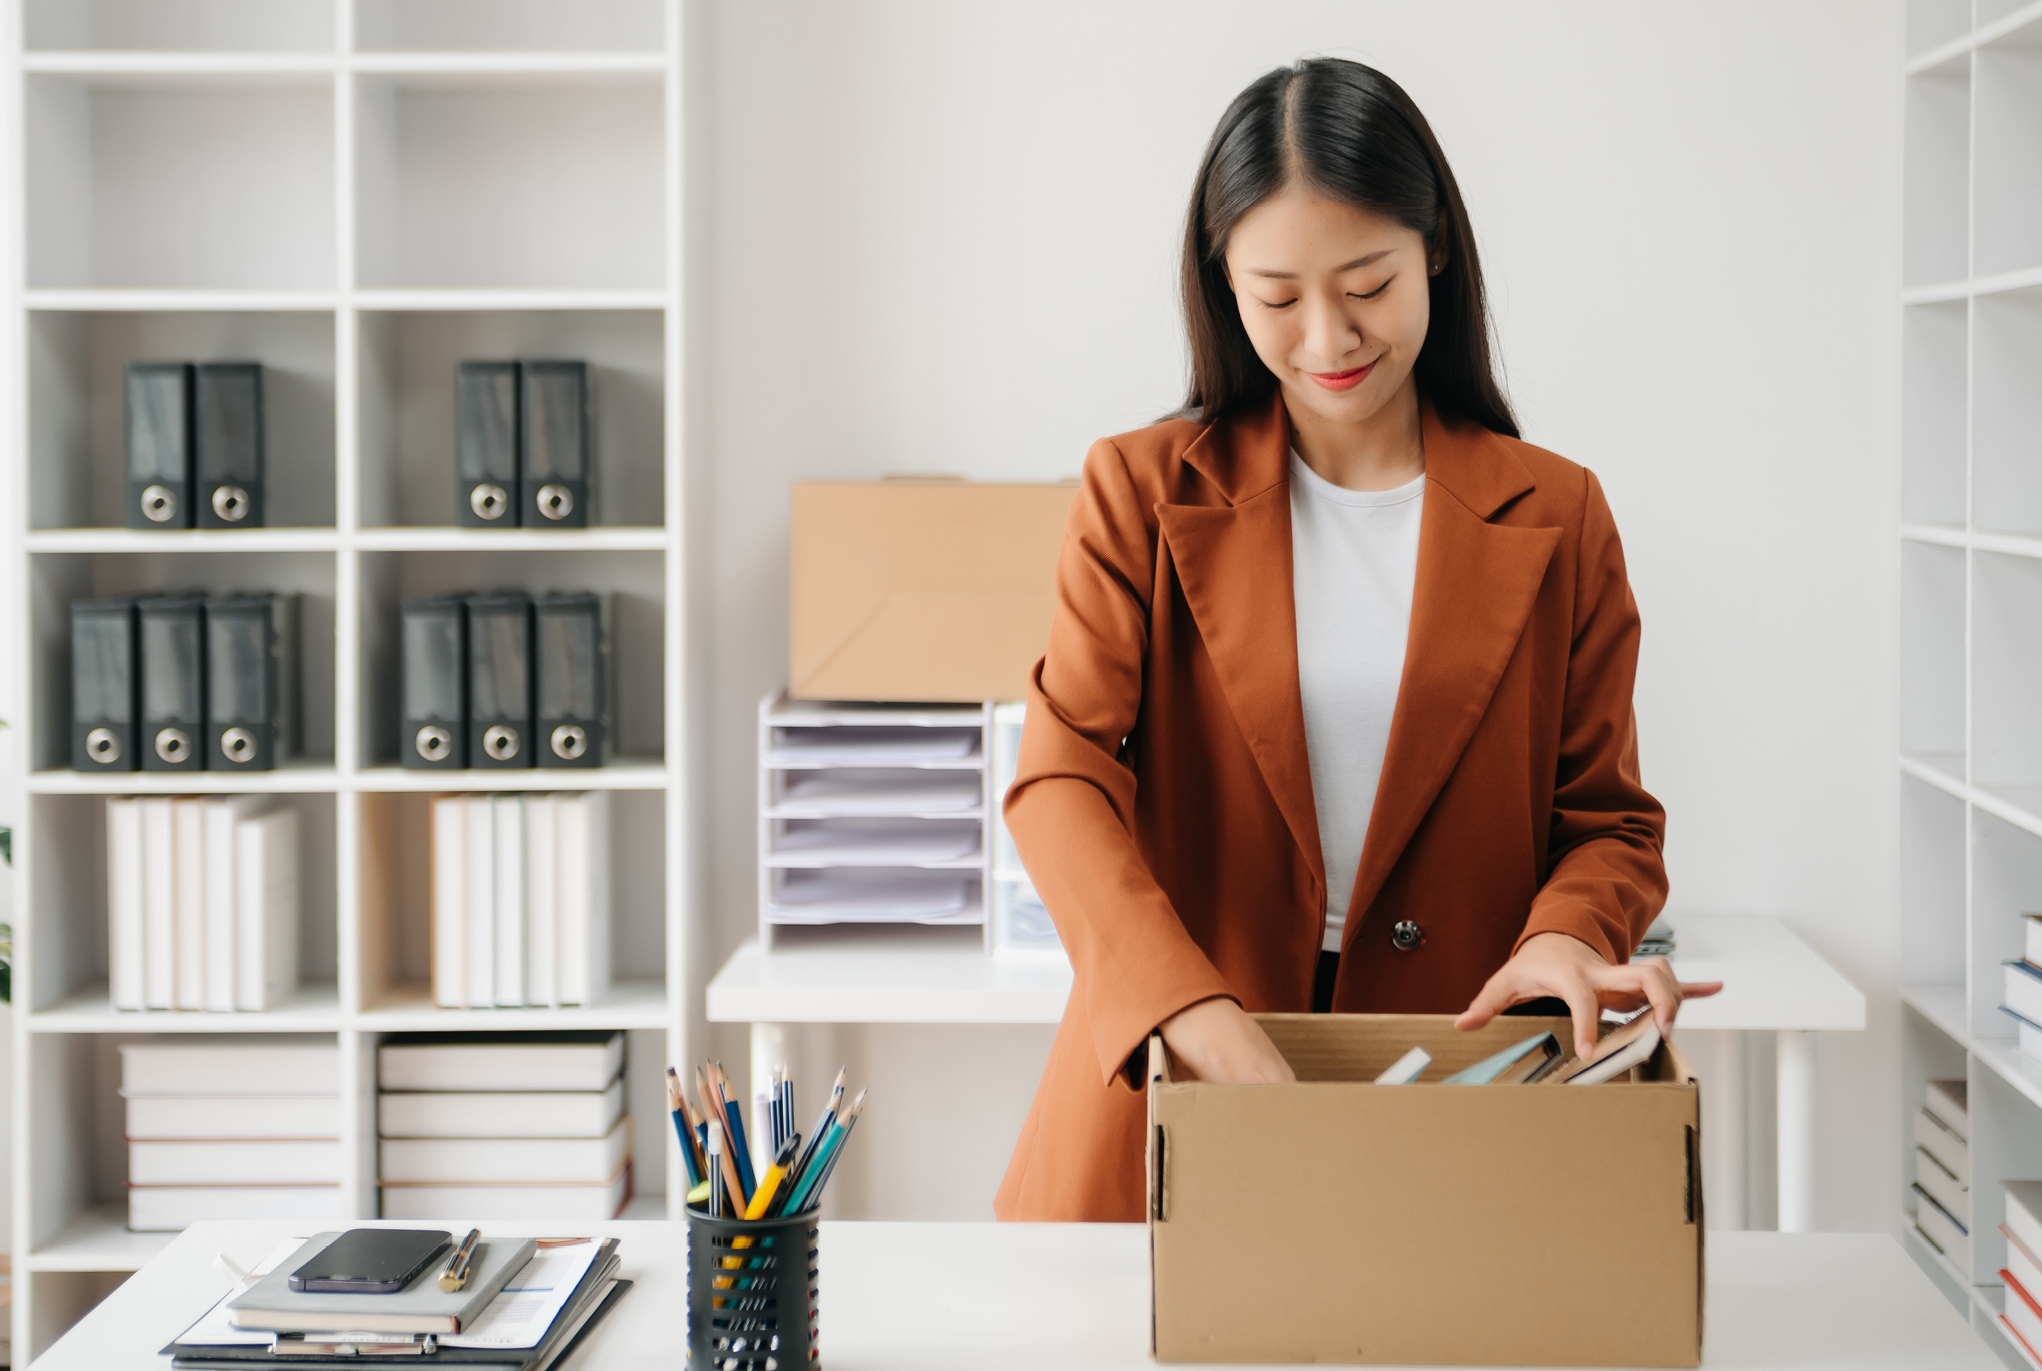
x: 751, y: 1293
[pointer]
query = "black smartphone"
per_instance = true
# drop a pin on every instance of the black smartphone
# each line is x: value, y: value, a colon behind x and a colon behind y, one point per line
x: 371, y: 1261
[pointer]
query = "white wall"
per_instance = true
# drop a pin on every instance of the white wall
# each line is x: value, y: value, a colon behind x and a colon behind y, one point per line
x: 943, y: 238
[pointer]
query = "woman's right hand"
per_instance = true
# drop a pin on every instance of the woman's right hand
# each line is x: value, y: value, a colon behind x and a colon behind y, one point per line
x: 1219, y: 1042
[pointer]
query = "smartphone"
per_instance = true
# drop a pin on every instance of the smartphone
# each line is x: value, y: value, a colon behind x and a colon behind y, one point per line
x: 371, y: 1261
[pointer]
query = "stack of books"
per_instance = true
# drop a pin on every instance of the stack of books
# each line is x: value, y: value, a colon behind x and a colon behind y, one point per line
x: 500, y: 1126
x: 202, y: 903
x: 2023, y: 1271
x: 520, y: 899
x: 2023, y: 1003
x: 241, y: 1128
x: 508, y: 1304
x: 1942, y: 1172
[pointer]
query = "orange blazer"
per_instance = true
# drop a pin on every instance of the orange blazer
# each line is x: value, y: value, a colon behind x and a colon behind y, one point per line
x: 1163, y: 804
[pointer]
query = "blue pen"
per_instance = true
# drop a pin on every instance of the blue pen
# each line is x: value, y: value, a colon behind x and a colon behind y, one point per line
x: 814, y: 1199
x: 673, y: 1100
x: 822, y: 1126
x: 740, y: 1150
x: 812, y: 1179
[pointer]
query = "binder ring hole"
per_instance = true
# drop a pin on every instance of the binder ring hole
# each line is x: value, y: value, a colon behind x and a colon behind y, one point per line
x: 237, y: 745
x: 103, y: 745
x: 434, y: 743
x: 159, y: 504
x: 173, y: 745
x: 230, y: 503
x: 570, y: 741
x: 488, y: 501
x: 556, y: 501
x: 500, y: 743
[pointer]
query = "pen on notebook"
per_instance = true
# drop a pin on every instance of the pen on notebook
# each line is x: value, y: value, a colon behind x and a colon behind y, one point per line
x: 716, y: 1158
x: 682, y: 1133
x: 455, y: 1274
x: 822, y: 1124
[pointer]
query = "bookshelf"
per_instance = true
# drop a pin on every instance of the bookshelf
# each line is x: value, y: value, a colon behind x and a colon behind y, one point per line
x: 340, y: 189
x: 1971, y: 587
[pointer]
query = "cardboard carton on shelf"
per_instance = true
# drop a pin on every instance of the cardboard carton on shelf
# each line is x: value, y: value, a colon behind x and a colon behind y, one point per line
x: 921, y: 589
x: 1335, y: 1220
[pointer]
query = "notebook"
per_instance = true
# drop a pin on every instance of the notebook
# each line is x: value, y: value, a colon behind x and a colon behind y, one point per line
x: 421, y: 1308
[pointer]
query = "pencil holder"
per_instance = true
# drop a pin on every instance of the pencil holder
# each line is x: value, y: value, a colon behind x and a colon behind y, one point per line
x: 751, y: 1293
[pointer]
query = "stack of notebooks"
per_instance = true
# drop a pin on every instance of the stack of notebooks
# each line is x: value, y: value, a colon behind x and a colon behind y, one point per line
x: 1942, y: 1172
x: 523, y: 1307
x: 2023, y: 1271
x: 503, y: 1126
x: 521, y: 899
x: 202, y: 903
x: 235, y: 1128
x: 2023, y: 1003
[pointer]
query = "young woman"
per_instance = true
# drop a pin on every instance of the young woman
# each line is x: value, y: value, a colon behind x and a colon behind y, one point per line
x: 1336, y: 708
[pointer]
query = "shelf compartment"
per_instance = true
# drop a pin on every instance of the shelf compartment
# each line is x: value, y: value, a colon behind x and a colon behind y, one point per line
x: 634, y: 581
x: 97, y: 1239
x: 511, y: 181
x: 396, y: 920
x: 77, y: 411
x: 1936, y: 223
x: 177, y: 182
x: 408, y: 363
x: 1932, y: 404
x: 509, y: 25
x: 57, y: 579
x: 1932, y: 650
x: 2006, y: 882
x: 250, y: 26
x: 2007, y: 415
x: 1932, y: 882
x: 2006, y: 639
x: 2007, y: 233
x: 64, y: 990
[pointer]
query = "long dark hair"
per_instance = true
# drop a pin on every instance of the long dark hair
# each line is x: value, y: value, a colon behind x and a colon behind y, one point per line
x: 1351, y: 133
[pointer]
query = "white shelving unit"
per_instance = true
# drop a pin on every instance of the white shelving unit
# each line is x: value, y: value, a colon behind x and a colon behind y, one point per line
x: 357, y: 193
x: 1971, y: 596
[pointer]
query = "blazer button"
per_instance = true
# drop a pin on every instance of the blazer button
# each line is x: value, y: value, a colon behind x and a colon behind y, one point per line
x: 1406, y: 935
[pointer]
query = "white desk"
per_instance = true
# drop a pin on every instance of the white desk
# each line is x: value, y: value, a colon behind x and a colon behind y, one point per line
x: 1074, y: 1297
x: 1773, y: 982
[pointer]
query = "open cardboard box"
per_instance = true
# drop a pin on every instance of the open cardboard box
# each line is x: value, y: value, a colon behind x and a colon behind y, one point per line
x: 1336, y: 1220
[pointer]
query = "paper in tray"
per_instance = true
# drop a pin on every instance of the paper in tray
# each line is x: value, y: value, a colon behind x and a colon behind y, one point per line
x: 854, y: 793
x: 840, y: 896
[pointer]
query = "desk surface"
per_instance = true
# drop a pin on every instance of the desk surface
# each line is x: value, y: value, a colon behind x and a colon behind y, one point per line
x: 1771, y: 978
x: 1075, y: 1297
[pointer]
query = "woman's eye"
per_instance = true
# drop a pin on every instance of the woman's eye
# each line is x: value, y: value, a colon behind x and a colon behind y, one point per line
x: 1278, y: 304
x: 1374, y: 293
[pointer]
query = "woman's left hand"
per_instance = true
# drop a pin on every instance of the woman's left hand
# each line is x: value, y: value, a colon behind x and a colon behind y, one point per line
x: 1569, y: 969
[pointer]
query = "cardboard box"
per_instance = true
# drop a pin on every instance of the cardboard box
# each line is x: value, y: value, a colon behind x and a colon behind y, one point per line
x: 1335, y: 1220
x: 921, y: 589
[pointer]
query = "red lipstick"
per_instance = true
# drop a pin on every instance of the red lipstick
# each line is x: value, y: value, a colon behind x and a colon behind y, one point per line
x: 1341, y: 380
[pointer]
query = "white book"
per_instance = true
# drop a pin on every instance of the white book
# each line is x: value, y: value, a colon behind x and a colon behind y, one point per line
x: 1950, y: 1102
x: 172, y: 1208
x: 188, y: 900
x: 266, y: 909
x: 584, y: 903
x: 510, y: 1203
x: 576, y: 1059
x: 124, y: 904
x: 1932, y: 1176
x: 450, y: 903
x: 159, y: 910
x: 217, y: 1161
x: 1942, y: 1231
x: 542, y: 896
x: 481, y: 881
x: 2024, y: 1206
x: 1934, y: 1137
x: 500, y: 1114
x: 242, y: 1064
x: 2023, y: 1267
x: 2033, y: 924
x: 510, y: 1161
x: 2024, y: 990
x: 233, y: 1116
x: 507, y: 814
x: 221, y: 876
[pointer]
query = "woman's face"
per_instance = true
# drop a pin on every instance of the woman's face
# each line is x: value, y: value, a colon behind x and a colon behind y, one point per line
x: 1334, y: 299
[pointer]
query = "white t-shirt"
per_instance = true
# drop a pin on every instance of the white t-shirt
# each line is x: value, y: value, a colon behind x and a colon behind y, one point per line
x: 1354, y: 561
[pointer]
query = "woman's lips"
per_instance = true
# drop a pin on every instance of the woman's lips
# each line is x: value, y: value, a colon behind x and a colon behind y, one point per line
x: 1341, y: 380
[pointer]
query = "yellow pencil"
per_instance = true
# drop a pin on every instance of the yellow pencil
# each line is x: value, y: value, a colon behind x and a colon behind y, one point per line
x: 762, y: 1198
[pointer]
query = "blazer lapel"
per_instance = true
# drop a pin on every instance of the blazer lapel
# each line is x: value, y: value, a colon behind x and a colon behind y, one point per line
x: 1476, y: 585
x: 1233, y: 563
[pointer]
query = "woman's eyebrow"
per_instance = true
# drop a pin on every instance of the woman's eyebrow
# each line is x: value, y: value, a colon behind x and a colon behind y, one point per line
x: 1347, y: 266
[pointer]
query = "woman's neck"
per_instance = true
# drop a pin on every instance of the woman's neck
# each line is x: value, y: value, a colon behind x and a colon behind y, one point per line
x: 1381, y: 452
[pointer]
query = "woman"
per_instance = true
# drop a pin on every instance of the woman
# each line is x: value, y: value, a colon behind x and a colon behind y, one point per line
x: 1336, y: 707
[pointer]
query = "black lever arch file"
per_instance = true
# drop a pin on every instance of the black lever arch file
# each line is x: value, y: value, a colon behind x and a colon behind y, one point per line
x: 556, y: 443
x: 173, y: 682
x: 252, y: 681
x: 486, y: 444
x: 159, y: 419
x: 573, y: 680
x: 104, y: 681
x: 500, y: 681
x: 229, y: 460
x: 434, y: 644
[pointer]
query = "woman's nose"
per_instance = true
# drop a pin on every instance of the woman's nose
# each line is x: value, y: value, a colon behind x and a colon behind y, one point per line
x: 1329, y: 333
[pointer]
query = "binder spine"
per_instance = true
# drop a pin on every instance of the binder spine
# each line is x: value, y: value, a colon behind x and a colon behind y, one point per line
x: 228, y: 425
x: 500, y: 682
x: 556, y: 442
x: 105, y: 686
x: 573, y: 669
x: 250, y: 724
x: 173, y: 660
x: 486, y: 443
x: 433, y: 638
x: 159, y: 439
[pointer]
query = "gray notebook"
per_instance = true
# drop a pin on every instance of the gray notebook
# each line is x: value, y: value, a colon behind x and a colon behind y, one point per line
x: 422, y: 1307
